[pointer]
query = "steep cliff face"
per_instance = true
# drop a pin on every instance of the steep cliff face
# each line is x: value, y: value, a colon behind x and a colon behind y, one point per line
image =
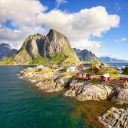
x: 52, y: 48
x: 85, y: 55
x: 6, y: 51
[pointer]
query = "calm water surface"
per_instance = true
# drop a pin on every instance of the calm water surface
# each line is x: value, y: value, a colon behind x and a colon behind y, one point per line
x: 24, y: 106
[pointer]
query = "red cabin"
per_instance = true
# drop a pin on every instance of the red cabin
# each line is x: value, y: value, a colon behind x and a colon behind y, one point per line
x: 90, y: 76
x: 60, y: 67
x: 39, y: 70
x: 96, y: 69
x: 105, y: 77
x: 80, y: 74
x: 123, y: 77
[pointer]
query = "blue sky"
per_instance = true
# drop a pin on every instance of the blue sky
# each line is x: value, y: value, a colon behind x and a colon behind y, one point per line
x: 96, y: 25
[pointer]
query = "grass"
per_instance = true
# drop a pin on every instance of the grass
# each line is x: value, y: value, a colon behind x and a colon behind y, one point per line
x: 39, y: 60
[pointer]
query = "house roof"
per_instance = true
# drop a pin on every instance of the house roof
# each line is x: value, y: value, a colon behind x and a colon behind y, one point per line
x: 91, y: 74
x: 81, y: 72
x: 72, y: 67
x: 124, y: 76
x: 106, y: 75
x: 87, y: 65
x: 97, y: 67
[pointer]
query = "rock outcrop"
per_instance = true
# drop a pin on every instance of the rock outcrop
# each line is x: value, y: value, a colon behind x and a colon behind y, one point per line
x: 53, y: 48
x: 122, y: 96
x: 115, y: 118
x: 6, y: 51
x: 87, y: 91
x: 50, y: 85
x: 48, y: 82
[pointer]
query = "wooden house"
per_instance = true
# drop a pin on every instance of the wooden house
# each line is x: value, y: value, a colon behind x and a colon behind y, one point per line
x: 86, y: 66
x: 96, y: 69
x: 39, y: 70
x: 60, y: 67
x: 90, y: 76
x: 72, y: 69
x: 123, y: 77
x: 105, y: 77
x: 80, y: 74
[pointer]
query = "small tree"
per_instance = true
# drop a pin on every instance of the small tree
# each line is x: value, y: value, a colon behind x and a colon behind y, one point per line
x: 125, y: 71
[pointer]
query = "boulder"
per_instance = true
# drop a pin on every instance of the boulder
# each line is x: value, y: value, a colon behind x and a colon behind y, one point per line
x: 87, y: 91
x: 115, y: 118
x: 122, y: 97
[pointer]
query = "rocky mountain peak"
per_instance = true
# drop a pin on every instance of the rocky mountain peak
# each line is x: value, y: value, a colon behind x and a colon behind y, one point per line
x: 7, y: 46
x: 85, y: 55
x: 6, y: 51
x: 54, y: 46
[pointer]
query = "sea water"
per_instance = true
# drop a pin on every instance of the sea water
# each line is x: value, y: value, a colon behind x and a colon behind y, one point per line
x: 22, y: 105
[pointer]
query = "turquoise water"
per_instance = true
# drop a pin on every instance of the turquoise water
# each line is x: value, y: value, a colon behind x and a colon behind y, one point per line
x: 24, y: 106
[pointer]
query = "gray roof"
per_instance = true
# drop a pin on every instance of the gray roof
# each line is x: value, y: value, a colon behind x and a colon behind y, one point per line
x: 81, y: 72
x: 91, y: 74
x: 87, y: 65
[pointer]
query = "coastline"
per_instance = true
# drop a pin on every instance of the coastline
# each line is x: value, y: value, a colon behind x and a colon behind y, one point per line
x: 78, y: 91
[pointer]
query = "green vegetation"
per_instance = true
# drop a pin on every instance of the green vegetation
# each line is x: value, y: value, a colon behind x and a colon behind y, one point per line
x: 89, y: 70
x: 111, y: 71
x: 125, y: 71
x: 7, y: 61
x: 39, y: 60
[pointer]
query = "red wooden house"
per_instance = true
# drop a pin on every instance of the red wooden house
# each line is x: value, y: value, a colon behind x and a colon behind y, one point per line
x: 96, y: 69
x: 105, y: 77
x: 80, y: 74
x: 39, y: 70
x: 60, y: 67
x: 90, y: 76
x: 123, y: 77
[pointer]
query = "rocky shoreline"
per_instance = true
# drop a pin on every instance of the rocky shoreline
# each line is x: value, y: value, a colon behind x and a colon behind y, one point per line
x: 81, y: 90
x: 115, y: 118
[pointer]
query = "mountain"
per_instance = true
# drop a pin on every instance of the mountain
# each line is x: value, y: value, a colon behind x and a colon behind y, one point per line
x: 6, y: 51
x: 112, y: 60
x: 85, y: 55
x: 54, y: 48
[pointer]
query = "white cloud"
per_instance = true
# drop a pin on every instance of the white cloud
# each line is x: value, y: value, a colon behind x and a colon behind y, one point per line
x: 79, y: 27
x: 116, y: 40
x: 121, y: 40
x: 59, y: 2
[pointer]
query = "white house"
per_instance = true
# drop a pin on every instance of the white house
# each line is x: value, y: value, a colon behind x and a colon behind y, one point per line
x: 72, y: 69
x: 40, y: 66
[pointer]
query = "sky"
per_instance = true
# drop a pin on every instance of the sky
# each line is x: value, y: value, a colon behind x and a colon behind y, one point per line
x: 97, y: 25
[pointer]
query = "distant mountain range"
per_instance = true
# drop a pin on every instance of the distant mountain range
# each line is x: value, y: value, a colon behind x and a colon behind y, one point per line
x: 112, y: 60
x: 54, y: 48
x: 85, y: 55
x: 6, y: 51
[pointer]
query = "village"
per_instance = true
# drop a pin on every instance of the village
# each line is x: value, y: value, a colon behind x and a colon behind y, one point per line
x: 88, y: 71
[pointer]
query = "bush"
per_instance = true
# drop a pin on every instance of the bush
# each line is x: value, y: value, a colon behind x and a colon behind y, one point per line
x: 125, y: 71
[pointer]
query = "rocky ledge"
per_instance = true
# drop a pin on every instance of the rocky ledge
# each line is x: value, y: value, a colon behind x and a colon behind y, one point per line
x: 49, y: 82
x: 115, y: 118
x: 121, y: 97
x: 88, y: 91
